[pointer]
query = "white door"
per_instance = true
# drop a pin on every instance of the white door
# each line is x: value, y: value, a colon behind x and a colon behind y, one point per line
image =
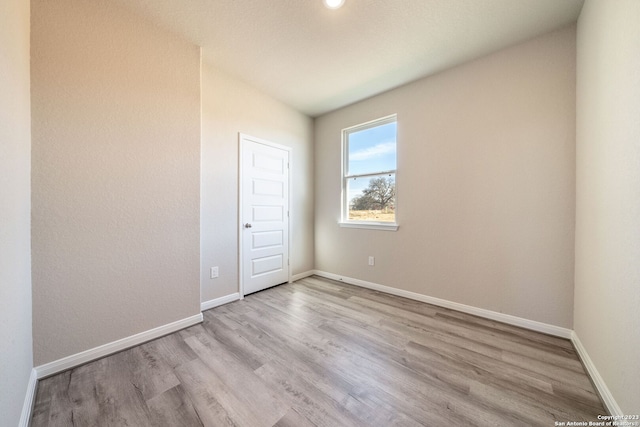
x: 264, y: 214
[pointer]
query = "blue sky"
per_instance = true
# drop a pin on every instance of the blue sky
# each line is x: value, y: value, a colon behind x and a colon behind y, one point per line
x: 373, y: 149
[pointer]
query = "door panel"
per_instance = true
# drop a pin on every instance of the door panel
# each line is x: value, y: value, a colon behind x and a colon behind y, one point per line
x: 267, y: 239
x: 263, y: 187
x: 267, y: 213
x: 270, y: 264
x: 264, y: 234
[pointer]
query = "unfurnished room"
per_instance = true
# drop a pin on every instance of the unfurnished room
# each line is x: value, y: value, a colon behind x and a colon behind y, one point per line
x: 319, y: 213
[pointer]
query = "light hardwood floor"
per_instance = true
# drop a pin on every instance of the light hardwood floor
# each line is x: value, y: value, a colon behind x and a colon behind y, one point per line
x: 318, y: 352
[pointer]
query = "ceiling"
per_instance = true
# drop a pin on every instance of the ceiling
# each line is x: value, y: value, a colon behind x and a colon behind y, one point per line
x: 317, y: 60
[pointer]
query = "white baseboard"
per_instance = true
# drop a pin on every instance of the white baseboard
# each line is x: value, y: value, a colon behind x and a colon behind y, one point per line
x: 302, y: 275
x: 602, y: 388
x: 29, y: 399
x: 207, y: 305
x: 481, y: 312
x: 78, y: 359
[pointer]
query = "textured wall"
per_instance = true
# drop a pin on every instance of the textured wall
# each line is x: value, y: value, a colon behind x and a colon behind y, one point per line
x: 15, y: 203
x: 607, y: 294
x: 228, y: 107
x: 116, y: 176
x: 486, y: 163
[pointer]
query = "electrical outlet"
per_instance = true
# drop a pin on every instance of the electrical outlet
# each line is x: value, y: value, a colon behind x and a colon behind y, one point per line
x: 214, y: 272
x: 372, y: 261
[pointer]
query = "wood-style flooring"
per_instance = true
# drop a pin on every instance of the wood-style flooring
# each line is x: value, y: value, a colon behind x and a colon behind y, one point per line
x: 321, y: 353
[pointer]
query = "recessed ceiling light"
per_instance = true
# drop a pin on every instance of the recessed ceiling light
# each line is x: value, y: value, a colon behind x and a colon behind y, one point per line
x: 333, y: 4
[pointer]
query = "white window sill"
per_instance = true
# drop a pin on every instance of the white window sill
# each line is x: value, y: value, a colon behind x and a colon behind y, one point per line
x: 370, y: 225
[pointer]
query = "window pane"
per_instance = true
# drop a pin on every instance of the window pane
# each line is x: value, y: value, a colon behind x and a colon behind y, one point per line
x: 372, y: 198
x: 372, y: 150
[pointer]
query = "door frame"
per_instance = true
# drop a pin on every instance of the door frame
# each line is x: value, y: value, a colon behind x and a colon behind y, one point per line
x: 242, y: 137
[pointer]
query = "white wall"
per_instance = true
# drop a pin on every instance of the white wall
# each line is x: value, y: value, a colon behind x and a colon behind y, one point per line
x: 486, y: 164
x: 230, y: 106
x: 116, y: 176
x: 15, y: 204
x: 607, y: 268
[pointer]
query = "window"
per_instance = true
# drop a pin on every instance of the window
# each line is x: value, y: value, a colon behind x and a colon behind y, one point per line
x: 369, y: 175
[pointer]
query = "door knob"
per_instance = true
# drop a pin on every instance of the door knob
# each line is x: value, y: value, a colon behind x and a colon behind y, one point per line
x: 247, y: 225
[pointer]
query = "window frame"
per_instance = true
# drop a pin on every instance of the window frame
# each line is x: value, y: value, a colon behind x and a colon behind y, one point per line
x: 344, y: 214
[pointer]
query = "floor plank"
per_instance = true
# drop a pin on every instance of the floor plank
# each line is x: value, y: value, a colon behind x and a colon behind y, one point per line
x: 318, y: 352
